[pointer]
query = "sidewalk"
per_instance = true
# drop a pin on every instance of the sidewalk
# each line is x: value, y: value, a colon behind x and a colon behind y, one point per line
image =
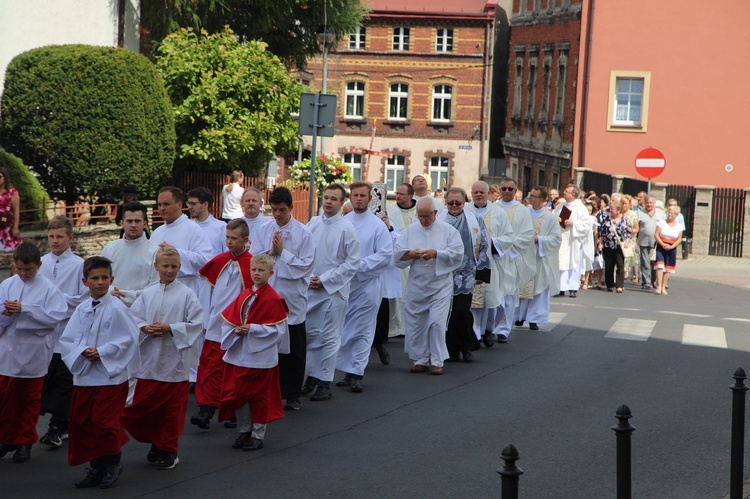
x: 720, y: 269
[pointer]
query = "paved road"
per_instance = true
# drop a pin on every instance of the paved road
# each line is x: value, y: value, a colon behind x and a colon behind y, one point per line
x: 552, y: 393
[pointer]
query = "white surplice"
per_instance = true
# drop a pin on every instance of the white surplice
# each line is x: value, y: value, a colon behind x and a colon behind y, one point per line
x: 293, y: 267
x: 429, y: 289
x: 400, y: 219
x: 215, y: 299
x: 192, y: 243
x: 571, y: 247
x: 163, y: 357
x: 25, y: 344
x: 66, y: 273
x: 216, y: 231
x: 132, y: 266
x: 336, y: 262
x: 436, y: 203
x: 253, y: 224
x: 376, y: 250
x: 109, y: 327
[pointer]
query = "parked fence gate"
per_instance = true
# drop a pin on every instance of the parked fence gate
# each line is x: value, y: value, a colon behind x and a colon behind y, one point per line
x: 727, y: 222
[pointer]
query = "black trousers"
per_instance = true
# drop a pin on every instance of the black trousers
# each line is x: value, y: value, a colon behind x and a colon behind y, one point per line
x: 382, y: 324
x: 613, y: 258
x: 460, y: 333
x: 57, y: 392
x: 292, y: 364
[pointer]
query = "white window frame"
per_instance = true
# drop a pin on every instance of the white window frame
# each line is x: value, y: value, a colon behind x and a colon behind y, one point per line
x: 442, y: 102
x: 358, y: 38
x: 400, y: 39
x: 354, y: 94
x: 439, y: 169
x: 628, y: 125
x: 395, y: 171
x: 444, y: 40
x: 350, y: 158
x: 400, y: 97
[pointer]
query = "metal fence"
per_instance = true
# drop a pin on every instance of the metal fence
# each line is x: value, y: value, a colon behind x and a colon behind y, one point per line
x: 685, y: 196
x: 727, y: 222
x: 601, y: 183
x: 633, y: 186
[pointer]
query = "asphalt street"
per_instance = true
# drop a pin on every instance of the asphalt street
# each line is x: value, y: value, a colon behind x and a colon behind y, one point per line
x: 552, y: 393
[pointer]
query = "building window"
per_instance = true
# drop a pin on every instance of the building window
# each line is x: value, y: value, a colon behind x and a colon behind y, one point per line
x: 355, y: 163
x: 541, y: 177
x: 555, y: 181
x: 442, y: 96
x: 518, y: 87
x: 401, y: 39
x: 628, y: 109
x: 357, y: 39
x: 547, y: 68
x: 444, y: 40
x: 355, y: 99
x: 394, y: 172
x: 439, y: 172
x: 562, y: 79
x: 398, y: 100
x: 531, y: 88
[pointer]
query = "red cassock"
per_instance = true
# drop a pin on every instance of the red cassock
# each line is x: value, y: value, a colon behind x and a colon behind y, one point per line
x: 20, y: 401
x: 260, y: 387
x: 157, y: 415
x: 94, y: 428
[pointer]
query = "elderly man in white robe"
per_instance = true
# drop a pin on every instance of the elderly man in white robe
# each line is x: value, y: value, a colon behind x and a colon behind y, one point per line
x: 500, y: 234
x: 534, y: 295
x: 376, y: 250
x: 522, y: 262
x: 252, y: 206
x: 336, y: 262
x: 433, y: 249
x: 475, y: 268
x: 577, y: 226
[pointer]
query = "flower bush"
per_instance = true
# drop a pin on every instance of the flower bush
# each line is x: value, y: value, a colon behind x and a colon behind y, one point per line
x: 329, y: 169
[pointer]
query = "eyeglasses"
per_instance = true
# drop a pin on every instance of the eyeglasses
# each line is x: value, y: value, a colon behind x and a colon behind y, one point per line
x: 454, y: 203
x: 507, y: 189
x: 192, y: 203
x: 535, y: 196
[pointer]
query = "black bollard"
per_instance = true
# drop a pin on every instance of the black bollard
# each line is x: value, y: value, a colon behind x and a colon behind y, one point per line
x: 623, y: 429
x: 510, y: 472
x: 738, y: 434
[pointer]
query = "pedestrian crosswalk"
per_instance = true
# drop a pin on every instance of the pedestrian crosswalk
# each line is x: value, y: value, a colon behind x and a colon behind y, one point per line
x: 631, y: 329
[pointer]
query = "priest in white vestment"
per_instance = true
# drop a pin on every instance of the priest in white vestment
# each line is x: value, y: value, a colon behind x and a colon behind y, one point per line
x: 502, y: 280
x: 433, y: 249
x: 534, y: 295
x: 577, y: 228
x: 336, y: 261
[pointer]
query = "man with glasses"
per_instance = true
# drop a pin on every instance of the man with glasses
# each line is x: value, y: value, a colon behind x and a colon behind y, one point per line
x: 407, y: 206
x: 199, y: 203
x: 576, y: 230
x: 534, y: 295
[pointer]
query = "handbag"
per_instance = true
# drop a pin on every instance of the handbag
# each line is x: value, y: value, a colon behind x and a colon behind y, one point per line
x: 598, y: 261
x: 652, y: 254
x: 627, y: 252
x: 6, y: 219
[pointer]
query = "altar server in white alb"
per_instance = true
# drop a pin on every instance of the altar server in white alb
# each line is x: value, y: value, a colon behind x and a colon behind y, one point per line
x: 290, y: 244
x: 376, y: 250
x: 252, y: 205
x: 577, y: 227
x: 170, y: 319
x: 32, y: 307
x: 433, y: 249
x: 132, y: 256
x: 521, y: 257
x: 500, y: 234
x: 336, y: 261
x: 199, y: 202
x: 534, y: 295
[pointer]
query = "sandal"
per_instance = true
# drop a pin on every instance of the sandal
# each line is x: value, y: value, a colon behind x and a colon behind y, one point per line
x: 584, y: 287
x: 619, y: 290
x: 634, y: 279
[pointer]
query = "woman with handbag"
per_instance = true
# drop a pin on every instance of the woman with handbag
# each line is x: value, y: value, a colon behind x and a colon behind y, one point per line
x: 668, y: 236
x: 10, y: 213
x: 633, y: 264
x: 615, y: 238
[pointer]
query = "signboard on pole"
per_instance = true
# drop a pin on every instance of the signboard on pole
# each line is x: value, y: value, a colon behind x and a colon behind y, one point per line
x: 650, y: 162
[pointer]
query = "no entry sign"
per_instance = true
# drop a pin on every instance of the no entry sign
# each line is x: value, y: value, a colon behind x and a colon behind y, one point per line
x: 650, y: 162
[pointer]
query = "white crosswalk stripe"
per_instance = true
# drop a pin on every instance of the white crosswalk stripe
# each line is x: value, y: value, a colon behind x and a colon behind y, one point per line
x: 704, y: 336
x: 631, y: 329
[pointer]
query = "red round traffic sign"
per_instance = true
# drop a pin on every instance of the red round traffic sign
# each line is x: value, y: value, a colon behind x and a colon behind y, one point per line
x: 650, y: 162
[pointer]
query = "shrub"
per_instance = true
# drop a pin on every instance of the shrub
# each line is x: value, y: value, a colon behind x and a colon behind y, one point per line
x: 30, y: 192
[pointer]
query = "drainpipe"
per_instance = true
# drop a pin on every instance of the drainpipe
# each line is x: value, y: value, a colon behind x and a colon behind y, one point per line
x: 585, y: 94
x: 483, y: 119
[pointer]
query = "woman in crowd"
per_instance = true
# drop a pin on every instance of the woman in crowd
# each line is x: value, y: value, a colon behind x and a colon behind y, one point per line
x: 615, y: 234
x: 10, y: 214
x: 591, y: 243
x: 494, y: 193
x: 668, y: 236
x: 632, y: 264
x: 231, y: 197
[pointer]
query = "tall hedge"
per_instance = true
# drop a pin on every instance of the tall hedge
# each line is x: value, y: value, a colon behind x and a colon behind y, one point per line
x: 88, y: 120
x: 30, y: 192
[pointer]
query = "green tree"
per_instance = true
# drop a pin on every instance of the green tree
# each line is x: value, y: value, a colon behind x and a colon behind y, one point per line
x: 287, y: 26
x: 30, y: 192
x: 232, y: 102
x: 88, y: 120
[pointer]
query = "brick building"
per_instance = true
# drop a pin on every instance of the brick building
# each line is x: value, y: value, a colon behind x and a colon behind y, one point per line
x: 414, y: 83
x: 544, y: 53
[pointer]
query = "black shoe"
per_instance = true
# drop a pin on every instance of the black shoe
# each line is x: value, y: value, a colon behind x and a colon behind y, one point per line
x: 347, y: 381
x: 488, y: 339
x: 502, y: 339
x: 53, y: 437
x: 191, y: 387
x: 561, y: 293
x: 4, y: 449
x: 572, y: 294
x: 645, y: 286
x: 22, y: 454
x: 253, y: 444
x: 111, y: 473
x: 356, y: 385
x: 93, y: 478
x: 153, y: 454
x: 310, y: 384
x: 168, y: 461
x: 533, y: 326
x: 292, y: 404
x: 230, y: 424
x: 321, y: 394
x: 468, y: 356
x: 518, y: 323
x: 201, y: 419
x: 240, y: 440
x: 385, y: 357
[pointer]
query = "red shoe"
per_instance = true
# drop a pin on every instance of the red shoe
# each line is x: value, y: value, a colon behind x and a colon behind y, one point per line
x: 418, y: 368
